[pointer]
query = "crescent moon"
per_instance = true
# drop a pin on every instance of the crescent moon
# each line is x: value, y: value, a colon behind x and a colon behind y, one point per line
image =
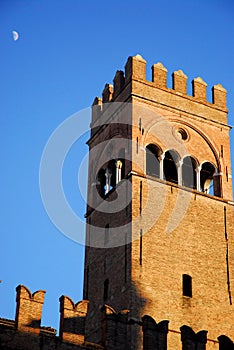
x: 15, y: 35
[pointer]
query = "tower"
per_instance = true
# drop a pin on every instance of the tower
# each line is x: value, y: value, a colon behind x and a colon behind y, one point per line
x: 159, y: 238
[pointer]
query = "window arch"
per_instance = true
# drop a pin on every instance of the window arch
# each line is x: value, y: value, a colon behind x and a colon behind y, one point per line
x: 170, y: 166
x: 189, y: 174
x: 153, y: 153
x: 207, y: 178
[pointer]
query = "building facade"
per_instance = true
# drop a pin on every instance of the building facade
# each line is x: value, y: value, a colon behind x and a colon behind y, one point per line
x: 159, y: 256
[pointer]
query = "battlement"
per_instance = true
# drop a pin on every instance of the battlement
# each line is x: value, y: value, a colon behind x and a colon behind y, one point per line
x: 28, y: 309
x: 26, y: 331
x: 133, y: 82
x: 23, y: 330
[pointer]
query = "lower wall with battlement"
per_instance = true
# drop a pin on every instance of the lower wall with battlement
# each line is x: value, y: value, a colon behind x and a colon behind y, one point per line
x: 26, y: 332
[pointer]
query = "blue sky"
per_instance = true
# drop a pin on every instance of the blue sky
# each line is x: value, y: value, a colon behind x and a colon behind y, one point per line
x: 67, y: 50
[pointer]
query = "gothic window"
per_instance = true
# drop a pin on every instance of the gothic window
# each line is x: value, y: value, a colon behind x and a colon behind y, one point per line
x: 106, y: 179
x: 207, y: 178
x: 187, y: 285
x: 189, y: 175
x: 153, y: 153
x: 170, y: 166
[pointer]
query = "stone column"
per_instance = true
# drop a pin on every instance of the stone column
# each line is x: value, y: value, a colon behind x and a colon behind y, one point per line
x: 161, y: 159
x: 198, y: 172
x: 118, y: 171
x: 179, y: 172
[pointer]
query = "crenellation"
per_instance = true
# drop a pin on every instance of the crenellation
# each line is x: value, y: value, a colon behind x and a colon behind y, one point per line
x: 28, y: 309
x: 119, y: 81
x: 97, y: 101
x: 115, y: 329
x: 135, y: 68
x: 192, y: 340
x: 199, y: 89
x: 219, y: 95
x: 72, y: 319
x: 107, y: 93
x: 225, y: 343
x: 159, y: 75
x: 96, y: 108
x: 154, y: 334
x: 179, y: 82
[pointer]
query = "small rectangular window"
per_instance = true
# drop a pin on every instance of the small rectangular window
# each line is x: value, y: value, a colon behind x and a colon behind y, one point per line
x: 187, y: 286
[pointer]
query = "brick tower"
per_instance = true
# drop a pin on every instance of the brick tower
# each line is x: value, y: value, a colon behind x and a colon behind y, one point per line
x: 160, y: 220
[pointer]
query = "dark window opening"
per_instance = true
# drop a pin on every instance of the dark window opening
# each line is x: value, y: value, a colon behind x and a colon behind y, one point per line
x: 106, y: 289
x: 189, y: 175
x: 207, y: 178
x: 169, y: 166
x: 112, y: 170
x: 152, y: 160
x: 187, y: 286
x: 106, y: 178
x: 101, y: 182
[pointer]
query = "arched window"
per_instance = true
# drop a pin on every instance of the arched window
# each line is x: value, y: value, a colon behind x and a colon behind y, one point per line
x: 101, y: 182
x: 153, y: 153
x: 207, y: 178
x: 170, y: 167
x: 189, y: 175
x: 106, y: 178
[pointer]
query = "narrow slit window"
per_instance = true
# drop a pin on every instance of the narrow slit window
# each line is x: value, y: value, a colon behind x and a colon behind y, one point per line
x: 106, y: 289
x: 187, y: 286
x: 221, y: 151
